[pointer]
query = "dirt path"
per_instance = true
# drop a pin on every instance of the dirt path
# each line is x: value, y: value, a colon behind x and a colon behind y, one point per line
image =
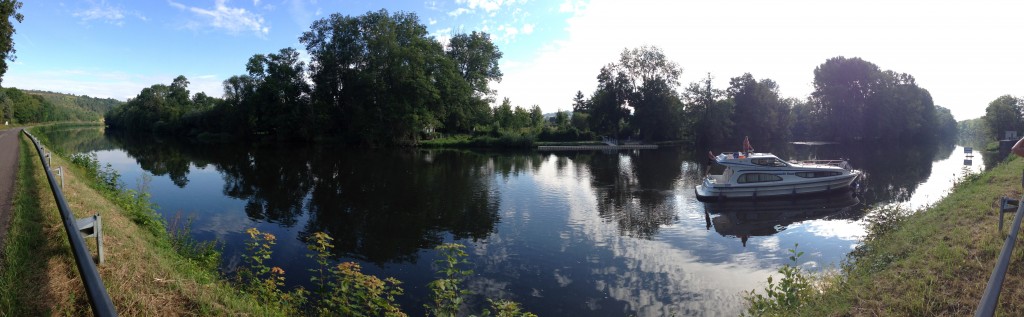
x: 8, y: 168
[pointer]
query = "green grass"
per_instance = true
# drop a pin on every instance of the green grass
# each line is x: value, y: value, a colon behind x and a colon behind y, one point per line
x: 145, y: 273
x: 22, y: 265
x: 507, y: 141
x: 931, y: 262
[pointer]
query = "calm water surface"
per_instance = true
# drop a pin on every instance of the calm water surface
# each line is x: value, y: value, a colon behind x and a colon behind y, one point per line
x: 564, y: 233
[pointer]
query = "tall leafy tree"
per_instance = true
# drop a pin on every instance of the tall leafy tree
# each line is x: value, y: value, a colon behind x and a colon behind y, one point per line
x: 579, y: 103
x: 476, y: 59
x: 379, y: 77
x: 278, y: 99
x: 1005, y: 113
x: 8, y: 9
x: 608, y: 112
x: 806, y: 121
x: 759, y: 112
x: 856, y: 100
x: 842, y: 88
x: 636, y: 96
x: 708, y: 113
x: 466, y: 98
x: 651, y: 85
x: 946, y: 125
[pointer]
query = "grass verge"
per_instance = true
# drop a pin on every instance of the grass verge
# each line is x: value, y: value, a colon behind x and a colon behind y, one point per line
x: 143, y: 272
x: 25, y: 252
x: 932, y: 262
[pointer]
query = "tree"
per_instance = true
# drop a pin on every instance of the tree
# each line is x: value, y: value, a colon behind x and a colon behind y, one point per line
x: 708, y: 112
x: 608, y: 112
x: 656, y: 105
x: 805, y: 119
x: 476, y: 59
x: 842, y: 88
x: 536, y: 116
x: 946, y: 125
x: 380, y: 78
x: 579, y: 103
x: 8, y: 9
x: 562, y: 119
x: 759, y: 112
x: 276, y: 95
x: 1004, y: 114
x: 858, y: 100
x: 637, y: 96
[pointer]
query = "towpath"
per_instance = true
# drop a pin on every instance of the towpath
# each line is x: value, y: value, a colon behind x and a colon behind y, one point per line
x: 8, y: 169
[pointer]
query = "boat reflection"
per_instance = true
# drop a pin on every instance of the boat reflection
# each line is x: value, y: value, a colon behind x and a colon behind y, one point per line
x: 743, y: 219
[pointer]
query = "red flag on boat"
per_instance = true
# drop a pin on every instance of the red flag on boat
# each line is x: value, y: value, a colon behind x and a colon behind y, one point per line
x: 746, y: 145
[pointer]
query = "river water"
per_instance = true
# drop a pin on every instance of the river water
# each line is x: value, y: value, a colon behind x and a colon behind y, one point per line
x: 564, y: 233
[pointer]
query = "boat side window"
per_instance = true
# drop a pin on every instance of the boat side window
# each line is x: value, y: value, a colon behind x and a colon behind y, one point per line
x: 762, y: 161
x: 758, y: 178
x: 769, y: 161
x: 817, y: 174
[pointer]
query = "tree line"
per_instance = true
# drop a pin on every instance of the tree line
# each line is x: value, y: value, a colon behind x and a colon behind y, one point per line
x: 638, y: 97
x: 374, y: 79
x: 27, y: 106
x: 1005, y: 113
x: 380, y: 79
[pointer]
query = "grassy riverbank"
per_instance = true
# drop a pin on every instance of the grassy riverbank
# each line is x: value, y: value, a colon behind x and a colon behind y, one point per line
x: 932, y: 262
x: 143, y: 273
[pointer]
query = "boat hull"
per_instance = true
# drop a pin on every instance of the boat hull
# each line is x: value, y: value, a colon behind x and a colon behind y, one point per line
x: 710, y: 192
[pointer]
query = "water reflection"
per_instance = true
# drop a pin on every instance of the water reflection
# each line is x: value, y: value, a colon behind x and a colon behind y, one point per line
x: 379, y: 206
x: 565, y: 233
x: 745, y: 219
x: 633, y: 189
x: 73, y: 138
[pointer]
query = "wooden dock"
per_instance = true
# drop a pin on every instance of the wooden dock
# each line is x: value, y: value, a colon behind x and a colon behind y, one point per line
x: 596, y: 147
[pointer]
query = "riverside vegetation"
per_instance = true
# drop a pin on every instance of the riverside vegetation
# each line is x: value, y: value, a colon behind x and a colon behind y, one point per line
x: 155, y: 269
x: 928, y: 262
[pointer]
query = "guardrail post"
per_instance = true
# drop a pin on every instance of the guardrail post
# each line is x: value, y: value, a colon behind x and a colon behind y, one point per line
x: 60, y: 172
x: 90, y: 227
x: 1006, y: 205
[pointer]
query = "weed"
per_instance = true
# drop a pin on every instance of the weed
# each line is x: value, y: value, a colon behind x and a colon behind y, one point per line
x: 263, y: 281
x: 790, y: 293
x: 204, y: 253
x: 447, y: 293
x: 343, y: 289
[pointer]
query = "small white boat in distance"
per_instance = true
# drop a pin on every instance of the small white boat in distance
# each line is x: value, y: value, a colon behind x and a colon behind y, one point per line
x: 757, y: 175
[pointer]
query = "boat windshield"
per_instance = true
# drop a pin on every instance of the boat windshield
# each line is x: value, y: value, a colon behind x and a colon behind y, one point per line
x: 769, y: 161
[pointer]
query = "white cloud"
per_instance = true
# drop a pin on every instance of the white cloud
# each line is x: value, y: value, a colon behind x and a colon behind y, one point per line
x: 431, y: 21
x: 510, y: 32
x: 570, y: 6
x: 527, y: 28
x: 458, y: 12
x: 486, y: 5
x: 106, y: 13
x: 232, y: 20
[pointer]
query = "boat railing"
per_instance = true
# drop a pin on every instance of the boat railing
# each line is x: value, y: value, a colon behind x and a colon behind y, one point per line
x: 837, y: 163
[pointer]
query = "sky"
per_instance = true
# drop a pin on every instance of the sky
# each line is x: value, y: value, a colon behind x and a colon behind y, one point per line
x: 966, y: 53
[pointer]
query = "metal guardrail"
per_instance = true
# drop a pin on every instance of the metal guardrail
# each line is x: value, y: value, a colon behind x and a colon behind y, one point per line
x: 990, y: 299
x: 94, y: 289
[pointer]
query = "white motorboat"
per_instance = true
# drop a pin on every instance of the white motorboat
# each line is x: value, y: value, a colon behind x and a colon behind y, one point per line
x: 756, y: 175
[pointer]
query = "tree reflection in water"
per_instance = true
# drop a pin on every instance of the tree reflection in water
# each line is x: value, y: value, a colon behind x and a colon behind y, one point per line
x: 633, y: 188
x: 380, y: 206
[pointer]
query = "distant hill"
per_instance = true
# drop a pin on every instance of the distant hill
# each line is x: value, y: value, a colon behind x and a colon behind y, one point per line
x: 32, y: 106
x: 96, y: 105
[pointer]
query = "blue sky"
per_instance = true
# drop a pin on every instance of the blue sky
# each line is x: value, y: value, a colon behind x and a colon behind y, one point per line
x: 965, y: 53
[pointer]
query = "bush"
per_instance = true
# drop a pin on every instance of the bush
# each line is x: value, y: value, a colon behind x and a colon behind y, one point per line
x: 779, y: 299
